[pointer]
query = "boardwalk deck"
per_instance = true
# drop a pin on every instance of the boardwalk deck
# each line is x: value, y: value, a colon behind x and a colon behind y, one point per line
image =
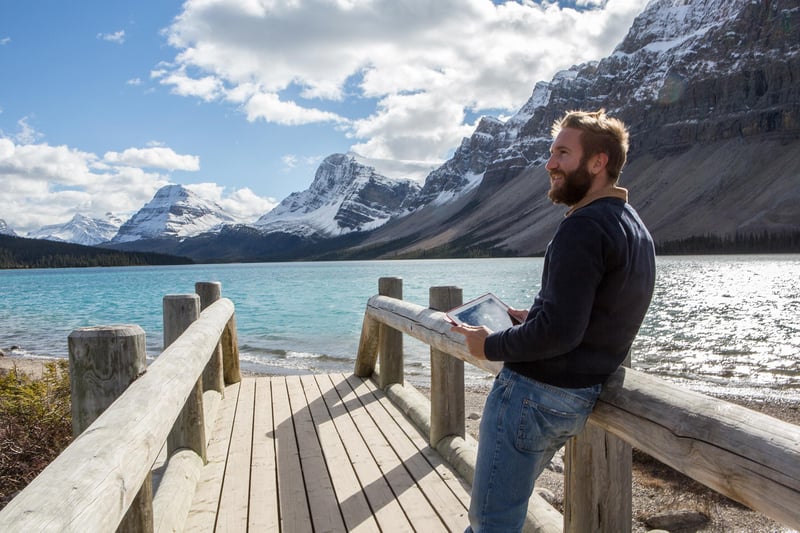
x: 322, y: 453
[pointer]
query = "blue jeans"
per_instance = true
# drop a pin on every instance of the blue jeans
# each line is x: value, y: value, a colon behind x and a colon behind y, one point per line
x: 524, y: 424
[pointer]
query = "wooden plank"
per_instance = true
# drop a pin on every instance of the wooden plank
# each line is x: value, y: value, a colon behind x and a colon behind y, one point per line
x: 232, y: 513
x: 409, y: 445
x: 353, y: 503
x: 411, y: 499
x: 294, y: 512
x: 264, y: 507
x: 203, y: 513
x: 385, y: 507
x: 322, y: 502
x: 458, y: 486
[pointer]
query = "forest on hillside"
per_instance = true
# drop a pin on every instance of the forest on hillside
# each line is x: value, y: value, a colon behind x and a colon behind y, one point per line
x: 741, y: 243
x: 19, y: 252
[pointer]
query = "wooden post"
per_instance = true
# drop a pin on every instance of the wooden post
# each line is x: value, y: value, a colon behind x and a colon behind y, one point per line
x: 230, y: 353
x: 213, y: 376
x: 367, y: 347
x: 229, y: 341
x: 391, y: 340
x: 103, y: 362
x: 180, y: 310
x: 598, y: 481
x: 447, y: 376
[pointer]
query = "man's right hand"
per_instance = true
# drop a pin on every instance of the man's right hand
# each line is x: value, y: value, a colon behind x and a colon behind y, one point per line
x: 475, y: 337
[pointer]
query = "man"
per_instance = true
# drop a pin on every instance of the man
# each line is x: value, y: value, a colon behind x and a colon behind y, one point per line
x: 597, y: 282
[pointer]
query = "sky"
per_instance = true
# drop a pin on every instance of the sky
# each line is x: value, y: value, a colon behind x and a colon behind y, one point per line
x: 102, y: 102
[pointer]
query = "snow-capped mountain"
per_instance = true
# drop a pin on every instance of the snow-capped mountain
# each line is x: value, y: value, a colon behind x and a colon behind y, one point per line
x: 346, y: 196
x: 5, y: 230
x: 708, y: 89
x: 80, y: 229
x: 174, y: 212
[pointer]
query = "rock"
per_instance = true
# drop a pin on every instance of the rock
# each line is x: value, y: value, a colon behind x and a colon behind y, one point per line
x: 547, y: 496
x: 678, y: 520
x: 556, y: 464
x: 474, y: 416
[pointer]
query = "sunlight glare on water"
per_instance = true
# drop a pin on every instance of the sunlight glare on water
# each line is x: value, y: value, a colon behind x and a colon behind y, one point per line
x: 724, y: 323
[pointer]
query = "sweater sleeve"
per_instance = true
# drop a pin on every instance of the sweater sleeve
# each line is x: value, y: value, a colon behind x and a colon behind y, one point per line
x: 557, y: 321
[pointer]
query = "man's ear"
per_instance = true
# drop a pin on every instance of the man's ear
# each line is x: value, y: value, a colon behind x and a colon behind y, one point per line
x: 598, y: 162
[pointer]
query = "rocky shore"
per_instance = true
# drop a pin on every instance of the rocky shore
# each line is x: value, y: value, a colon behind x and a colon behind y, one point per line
x: 663, y: 499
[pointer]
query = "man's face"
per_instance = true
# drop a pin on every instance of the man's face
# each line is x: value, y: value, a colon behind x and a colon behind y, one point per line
x: 569, y: 178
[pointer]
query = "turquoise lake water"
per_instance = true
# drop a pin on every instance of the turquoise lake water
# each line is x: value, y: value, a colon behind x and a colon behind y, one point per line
x: 717, y: 323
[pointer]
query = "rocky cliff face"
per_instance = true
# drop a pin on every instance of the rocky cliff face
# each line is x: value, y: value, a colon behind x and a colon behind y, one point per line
x: 5, y: 230
x: 80, y: 229
x: 345, y: 196
x: 710, y: 92
x: 174, y: 212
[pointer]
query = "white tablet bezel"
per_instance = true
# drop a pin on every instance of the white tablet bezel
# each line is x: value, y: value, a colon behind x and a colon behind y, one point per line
x: 487, y: 301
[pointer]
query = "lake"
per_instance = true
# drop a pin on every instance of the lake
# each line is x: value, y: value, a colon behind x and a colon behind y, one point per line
x: 728, y: 324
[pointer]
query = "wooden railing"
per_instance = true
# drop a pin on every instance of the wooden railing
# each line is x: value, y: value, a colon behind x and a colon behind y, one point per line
x: 128, y: 417
x: 747, y: 456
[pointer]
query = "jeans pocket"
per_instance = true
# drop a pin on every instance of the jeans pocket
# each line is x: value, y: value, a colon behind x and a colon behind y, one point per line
x: 542, y: 428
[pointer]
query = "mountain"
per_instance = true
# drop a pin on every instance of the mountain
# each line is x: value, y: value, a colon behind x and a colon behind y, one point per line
x: 346, y: 196
x: 709, y: 91
x: 175, y: 212
x: 80, y: 230
x: 5, y: 230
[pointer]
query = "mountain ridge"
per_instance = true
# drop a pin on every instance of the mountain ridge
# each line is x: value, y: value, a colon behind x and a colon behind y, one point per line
x: 707, y: 88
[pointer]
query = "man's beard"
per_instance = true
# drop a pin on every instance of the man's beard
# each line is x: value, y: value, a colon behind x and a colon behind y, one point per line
x: 574, y: 186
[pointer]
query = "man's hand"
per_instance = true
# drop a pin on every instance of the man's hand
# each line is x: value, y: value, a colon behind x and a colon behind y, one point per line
x: 518, y: 315
x: 475, y: 337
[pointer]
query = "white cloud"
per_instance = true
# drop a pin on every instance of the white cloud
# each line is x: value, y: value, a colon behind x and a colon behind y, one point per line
x: 154, y: 157
x: 5, y: 40
x: 243, y: 203
x: 269, y: 107
x: 116, y: 37
x: 292, y: 161
x: 27, y: 134
x: 206, y: 88
x: 425, y: 63
x: 42, y: 184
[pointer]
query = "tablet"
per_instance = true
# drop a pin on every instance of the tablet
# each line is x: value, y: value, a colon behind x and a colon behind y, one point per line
x: 487, y: 310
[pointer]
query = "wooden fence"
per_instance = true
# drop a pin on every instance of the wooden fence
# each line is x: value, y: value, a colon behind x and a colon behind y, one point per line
x: 747, y: 456
x: 103, y: 480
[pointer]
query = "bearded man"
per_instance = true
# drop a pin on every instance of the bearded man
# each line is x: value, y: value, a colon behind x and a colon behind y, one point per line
x: 597, y: 283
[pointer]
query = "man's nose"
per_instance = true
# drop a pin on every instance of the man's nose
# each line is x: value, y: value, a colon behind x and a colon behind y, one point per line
x: 550, y: 165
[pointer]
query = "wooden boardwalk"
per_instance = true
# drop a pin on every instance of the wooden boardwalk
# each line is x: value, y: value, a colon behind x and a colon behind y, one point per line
x: 322, y: 453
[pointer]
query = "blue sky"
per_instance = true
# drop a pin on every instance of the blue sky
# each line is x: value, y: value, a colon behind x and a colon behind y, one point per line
x: 102, y: 102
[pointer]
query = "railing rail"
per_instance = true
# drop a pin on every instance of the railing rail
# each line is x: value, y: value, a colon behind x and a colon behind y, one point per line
x: 93, y: 483
x: 747, y: 456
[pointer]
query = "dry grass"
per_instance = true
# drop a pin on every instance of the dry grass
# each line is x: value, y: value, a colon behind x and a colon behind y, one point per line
x: 35, y: 424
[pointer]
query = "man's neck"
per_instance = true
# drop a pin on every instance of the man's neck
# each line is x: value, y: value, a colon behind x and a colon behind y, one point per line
x: 609, y: 190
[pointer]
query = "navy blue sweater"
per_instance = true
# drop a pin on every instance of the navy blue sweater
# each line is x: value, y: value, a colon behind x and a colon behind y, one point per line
x: 597, y: 283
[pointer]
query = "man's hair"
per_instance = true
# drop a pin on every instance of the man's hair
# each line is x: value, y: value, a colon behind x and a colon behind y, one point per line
x: 600, y: 134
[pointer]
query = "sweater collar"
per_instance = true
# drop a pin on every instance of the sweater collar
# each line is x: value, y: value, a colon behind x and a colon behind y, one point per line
x: 612, y: 191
